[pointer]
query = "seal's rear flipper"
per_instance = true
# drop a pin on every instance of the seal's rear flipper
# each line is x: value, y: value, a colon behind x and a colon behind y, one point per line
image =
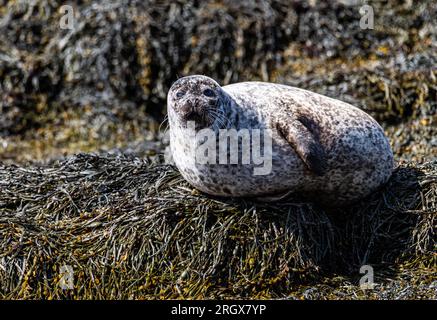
x: 299, y: 135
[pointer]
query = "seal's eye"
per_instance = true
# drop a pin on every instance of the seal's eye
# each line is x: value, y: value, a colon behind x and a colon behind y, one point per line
x: 180, y: 94
x: 209, y: 93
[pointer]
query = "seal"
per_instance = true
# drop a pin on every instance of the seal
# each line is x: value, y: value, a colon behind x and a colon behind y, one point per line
x: 321, y: 148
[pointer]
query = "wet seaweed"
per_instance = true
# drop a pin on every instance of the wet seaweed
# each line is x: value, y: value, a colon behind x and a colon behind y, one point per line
x: 122, y: 56
x: 135, y: 229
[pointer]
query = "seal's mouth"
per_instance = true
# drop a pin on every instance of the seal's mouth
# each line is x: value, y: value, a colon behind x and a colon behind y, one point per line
x: 191, y: 111
x: 203, y: 115
x: 193, y: 116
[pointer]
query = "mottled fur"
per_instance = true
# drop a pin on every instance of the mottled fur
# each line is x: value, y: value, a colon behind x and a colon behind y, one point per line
x: 321, y: 146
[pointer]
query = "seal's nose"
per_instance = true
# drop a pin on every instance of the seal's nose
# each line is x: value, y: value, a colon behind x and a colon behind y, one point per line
x: 190, y: 110
x: 187, y: 109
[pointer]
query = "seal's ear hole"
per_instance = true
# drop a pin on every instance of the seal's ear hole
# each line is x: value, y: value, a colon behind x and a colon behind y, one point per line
x: 209, y: 93
x: 180, y: 94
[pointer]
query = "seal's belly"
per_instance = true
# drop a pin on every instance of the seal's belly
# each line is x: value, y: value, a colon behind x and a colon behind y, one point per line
x: 283, y: 171
x: 237, y: 180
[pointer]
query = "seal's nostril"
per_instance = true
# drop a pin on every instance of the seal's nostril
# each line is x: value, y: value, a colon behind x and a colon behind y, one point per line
x: 186, y: 108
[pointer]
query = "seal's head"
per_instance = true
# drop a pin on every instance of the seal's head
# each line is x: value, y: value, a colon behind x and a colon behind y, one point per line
x: 195, y: 98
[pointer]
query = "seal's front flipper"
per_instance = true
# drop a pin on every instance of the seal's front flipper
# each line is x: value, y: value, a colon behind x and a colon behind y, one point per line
x: 299, y: 135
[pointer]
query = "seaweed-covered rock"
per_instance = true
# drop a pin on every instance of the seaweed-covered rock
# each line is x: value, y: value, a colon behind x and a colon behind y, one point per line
x: 127, y: 53
x: 392, y: 90
x: 132, y: 229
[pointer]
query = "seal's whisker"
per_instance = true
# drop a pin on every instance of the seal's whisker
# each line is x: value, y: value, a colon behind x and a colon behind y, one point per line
x: 163, y: 121
x: 214, y: 115
x: 221, y: 122
x: 220, y: 117
x: 167, y: 125
x: 225, y: 122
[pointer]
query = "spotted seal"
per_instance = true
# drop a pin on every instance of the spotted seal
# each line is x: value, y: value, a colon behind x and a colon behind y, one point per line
x: 321, y: 147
